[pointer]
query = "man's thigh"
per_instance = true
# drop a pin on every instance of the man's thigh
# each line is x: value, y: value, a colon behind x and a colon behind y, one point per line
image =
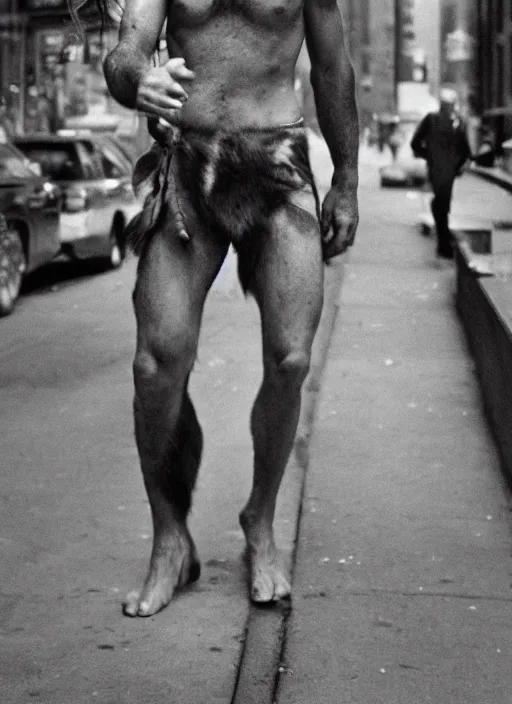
x: 288, y: 281
x: 174, y: 276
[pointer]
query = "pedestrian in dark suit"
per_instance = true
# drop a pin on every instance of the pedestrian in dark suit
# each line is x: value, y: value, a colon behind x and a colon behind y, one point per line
x: 441, y: 139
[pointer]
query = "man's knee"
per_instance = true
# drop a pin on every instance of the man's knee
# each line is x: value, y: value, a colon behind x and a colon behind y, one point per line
x: 291, y: 369
x: 165, y: 357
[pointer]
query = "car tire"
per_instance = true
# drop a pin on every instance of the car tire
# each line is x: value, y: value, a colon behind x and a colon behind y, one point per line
x: 13, y: 264
x: 117, y: 250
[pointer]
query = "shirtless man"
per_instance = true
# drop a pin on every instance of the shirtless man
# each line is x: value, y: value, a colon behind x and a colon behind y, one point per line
x: 233, y: 169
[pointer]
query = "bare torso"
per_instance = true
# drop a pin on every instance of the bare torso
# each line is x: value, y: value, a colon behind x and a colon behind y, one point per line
x: 243, y: 53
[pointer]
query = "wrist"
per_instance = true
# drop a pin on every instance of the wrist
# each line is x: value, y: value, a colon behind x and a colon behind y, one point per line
x: 345, y: 179
x: 124, y: 71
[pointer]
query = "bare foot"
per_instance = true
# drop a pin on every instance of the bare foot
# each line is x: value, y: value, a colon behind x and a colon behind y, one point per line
x: 268, y: 581
x: 267, y: 575
x: 173, y: 564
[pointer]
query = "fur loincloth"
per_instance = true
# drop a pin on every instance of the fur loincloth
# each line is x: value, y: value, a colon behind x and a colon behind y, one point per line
x: 234, y: 181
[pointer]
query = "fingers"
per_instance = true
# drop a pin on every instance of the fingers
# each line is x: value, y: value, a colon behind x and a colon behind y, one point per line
x: 160, y: 92
x: 177, y: 70
x: 150, y: 100
x: 155, y: 92
x: 170, y: 115
x: 341, y: 238
x: 327, y: 221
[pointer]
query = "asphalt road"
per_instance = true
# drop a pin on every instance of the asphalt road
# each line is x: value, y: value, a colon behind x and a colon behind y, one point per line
x: 75, y: 529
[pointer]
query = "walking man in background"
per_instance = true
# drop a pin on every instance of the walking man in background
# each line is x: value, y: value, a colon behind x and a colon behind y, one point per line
x: 230, y: 165
x: 441, y: 139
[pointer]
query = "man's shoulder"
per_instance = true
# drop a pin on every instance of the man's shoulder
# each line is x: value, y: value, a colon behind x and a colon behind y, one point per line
x: 427, y: 119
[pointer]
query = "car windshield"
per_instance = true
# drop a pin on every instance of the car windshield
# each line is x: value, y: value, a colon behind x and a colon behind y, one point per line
x: 59, y: 162
x: 12, y: 166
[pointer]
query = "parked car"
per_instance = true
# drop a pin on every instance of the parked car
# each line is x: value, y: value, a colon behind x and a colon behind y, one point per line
x: 406, y: 169
x: 98, y: 200
x: 30, y: 209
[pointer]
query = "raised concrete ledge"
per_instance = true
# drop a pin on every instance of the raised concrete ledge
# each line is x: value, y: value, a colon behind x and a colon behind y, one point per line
x: 484, y: 302
x: 477, y: 233
x: 495, y: 175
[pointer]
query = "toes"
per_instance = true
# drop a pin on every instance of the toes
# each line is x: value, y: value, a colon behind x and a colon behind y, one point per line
x: 282, y: 589
x: 145, y: 605
x: 269, y: 586
x: 131, y: 604
x: 262, y: 591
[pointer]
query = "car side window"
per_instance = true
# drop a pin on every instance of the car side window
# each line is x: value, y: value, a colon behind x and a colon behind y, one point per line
x: 91, y: 162
x: 110, y: 167
x: 11, y: 166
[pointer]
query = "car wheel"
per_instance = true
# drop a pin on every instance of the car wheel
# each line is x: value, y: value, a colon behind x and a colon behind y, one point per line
x: 12, y: 266
x: 116, y: 255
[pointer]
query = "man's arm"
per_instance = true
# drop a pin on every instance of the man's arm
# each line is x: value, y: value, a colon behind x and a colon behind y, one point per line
x: 465, y: 149
x: 332, y: 79
x: 130, y: 76
x: 418, y: 139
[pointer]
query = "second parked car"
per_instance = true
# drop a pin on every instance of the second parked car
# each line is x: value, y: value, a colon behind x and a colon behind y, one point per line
x: 95, y: 179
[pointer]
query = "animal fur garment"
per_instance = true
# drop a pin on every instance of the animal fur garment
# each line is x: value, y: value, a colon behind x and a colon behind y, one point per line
x: 233, y: 181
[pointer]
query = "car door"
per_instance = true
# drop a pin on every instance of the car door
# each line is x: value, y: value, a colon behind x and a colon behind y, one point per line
x: 102, y: 207
x: 33, y: 204
x: 45, y: 202
x: 118, y: 172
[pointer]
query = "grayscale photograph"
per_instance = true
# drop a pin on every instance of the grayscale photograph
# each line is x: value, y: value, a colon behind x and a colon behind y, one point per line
x: 256, y: 351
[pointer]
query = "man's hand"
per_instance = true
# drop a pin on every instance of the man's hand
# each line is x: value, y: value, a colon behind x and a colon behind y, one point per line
x: 160, y: 91
x: 340, y: 217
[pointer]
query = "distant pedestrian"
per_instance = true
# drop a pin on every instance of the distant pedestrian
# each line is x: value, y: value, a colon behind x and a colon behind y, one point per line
x: 395, y: 142
x: 441, y: 139
x: 7, y: 130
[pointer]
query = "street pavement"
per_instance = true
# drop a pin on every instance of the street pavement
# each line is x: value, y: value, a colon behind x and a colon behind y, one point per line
x: 403, y: 581
x: 75, y: 526
x: 404, y: 479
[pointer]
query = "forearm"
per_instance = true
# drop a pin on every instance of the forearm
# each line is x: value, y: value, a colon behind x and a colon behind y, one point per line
x: 140, y: 29
x: 334, y: 90
x: 123, y: 68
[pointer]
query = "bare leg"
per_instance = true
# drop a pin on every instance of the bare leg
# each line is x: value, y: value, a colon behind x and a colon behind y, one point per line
x: 289, y: 290
x: 173, y: 280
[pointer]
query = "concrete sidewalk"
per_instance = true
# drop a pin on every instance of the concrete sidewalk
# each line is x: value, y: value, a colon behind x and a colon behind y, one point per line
x: 403, y: 582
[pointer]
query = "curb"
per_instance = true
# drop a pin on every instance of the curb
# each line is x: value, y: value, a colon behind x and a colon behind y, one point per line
x: 265, y: 630
x: 490, y: 175
x: 484, y: 303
